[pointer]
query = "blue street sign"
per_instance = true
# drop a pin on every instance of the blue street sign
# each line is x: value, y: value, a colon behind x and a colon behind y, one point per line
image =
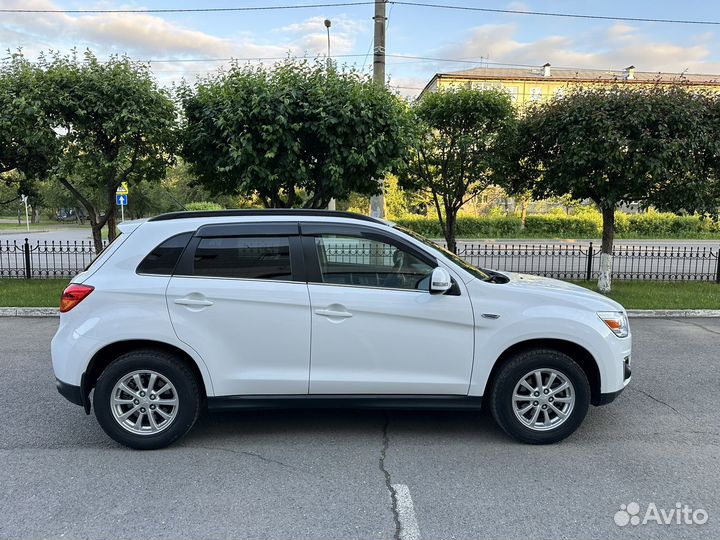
x: 121, y: 200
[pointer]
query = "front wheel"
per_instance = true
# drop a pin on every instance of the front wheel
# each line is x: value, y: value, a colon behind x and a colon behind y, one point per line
x: 540, y: 396
x: 146, y: 399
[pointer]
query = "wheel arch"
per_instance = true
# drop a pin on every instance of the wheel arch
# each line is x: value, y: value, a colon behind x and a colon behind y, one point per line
x: 578, y: 353
x: 104, y: 356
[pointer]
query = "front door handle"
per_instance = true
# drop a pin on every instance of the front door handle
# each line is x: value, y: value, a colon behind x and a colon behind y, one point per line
x: 193, y: 302
x: 333, y: 314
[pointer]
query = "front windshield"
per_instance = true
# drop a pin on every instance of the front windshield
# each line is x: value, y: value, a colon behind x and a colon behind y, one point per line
x: 474, y: 270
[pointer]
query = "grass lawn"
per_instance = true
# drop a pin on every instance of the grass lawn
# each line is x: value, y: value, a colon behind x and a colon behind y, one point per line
x: 631, y: 294
x: 31, y: 292
x: 663, y: 295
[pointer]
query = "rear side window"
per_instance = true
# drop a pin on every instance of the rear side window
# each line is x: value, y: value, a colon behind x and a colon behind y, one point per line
x: 244, y: 257
x: 162, y: 259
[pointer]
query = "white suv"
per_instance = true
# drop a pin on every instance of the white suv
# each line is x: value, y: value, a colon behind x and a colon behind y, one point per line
x: 260, y: 308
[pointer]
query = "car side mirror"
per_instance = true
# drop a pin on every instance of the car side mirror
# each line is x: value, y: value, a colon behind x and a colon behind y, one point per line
x: 440, y: 281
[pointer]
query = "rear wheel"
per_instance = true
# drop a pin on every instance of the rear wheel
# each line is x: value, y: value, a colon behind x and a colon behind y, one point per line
x: 540, y: 396
x: 146, y: 399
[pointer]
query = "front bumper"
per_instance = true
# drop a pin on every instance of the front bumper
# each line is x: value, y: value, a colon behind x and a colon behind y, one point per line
x: 609, y: 397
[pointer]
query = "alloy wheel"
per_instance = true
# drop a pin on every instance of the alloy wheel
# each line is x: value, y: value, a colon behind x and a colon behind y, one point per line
x: 543, y: 399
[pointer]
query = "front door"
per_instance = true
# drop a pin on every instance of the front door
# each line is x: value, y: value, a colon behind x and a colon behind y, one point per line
x: 236, y: 302
x: 376, y: 329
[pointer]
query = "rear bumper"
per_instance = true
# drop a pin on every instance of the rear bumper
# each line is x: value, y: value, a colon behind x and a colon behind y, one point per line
x: 70, y: 392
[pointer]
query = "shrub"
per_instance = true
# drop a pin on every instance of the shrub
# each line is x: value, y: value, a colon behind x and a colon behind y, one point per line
x: 587, y: 224
x: 203, y: 205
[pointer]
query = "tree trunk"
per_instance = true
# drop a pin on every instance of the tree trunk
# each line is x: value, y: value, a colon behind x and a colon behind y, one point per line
x: 450, y: 224
x: 523, y: 213
x: 110, y: 212
x: 96, y: 228
x: 112, y: 230
x: 608, y: 235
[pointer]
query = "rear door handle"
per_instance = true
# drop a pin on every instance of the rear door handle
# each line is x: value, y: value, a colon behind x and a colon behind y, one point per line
x: 334, y: 314
x: 193, y: 302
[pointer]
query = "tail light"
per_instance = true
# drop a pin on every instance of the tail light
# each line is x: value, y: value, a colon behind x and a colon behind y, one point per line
x: 73, y: 295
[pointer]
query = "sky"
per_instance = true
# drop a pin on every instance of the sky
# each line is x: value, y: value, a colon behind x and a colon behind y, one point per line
x: 181, y: 45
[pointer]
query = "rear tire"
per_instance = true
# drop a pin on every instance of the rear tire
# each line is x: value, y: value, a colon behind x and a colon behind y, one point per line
x: 147, y: 399
x: 540, y: 411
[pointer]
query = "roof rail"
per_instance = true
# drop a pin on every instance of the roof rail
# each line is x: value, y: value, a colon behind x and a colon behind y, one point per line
x: 300, y: 212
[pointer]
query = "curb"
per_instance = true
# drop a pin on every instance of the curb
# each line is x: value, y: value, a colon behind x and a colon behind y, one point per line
x: 672, y: 313
x: 635, y: 313
x: 7, y: 233
x: 29, y: 312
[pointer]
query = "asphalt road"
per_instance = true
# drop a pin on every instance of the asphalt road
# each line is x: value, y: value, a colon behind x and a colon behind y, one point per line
x: 326, y: 474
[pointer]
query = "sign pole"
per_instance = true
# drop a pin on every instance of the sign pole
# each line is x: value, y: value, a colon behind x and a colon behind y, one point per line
x: 122, y: 213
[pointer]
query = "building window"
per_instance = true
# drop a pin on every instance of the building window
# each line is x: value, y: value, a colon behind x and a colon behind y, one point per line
x: 560, y: 93
x: 535, y: 94
x: 513, y: 92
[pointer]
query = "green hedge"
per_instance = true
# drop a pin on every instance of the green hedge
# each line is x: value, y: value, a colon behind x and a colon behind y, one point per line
x: 586, y: 225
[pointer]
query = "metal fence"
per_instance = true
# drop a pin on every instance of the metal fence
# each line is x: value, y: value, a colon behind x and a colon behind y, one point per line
x: 44, y: 259
x: 578, y: 262
x: 563, y: 261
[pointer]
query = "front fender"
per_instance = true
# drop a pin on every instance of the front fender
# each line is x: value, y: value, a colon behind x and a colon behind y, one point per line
x: 576, y: 326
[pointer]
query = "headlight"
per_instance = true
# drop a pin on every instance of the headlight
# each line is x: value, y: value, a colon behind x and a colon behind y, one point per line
x: 616, y: 321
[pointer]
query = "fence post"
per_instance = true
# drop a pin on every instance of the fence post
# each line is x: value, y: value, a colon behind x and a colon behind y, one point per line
x: 588, y: 273
x: 717, y: 273
x: 26, y: 249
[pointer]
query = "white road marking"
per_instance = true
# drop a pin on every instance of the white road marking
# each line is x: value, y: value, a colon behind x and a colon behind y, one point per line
x: 406, y: 513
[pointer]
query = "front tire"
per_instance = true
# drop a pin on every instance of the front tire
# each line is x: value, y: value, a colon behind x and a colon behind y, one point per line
x: 146, y: 399
x: 540, y: 396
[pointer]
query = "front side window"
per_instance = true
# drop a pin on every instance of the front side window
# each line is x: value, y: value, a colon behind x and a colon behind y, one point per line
x: 244, y: 257
x: 363, y: 262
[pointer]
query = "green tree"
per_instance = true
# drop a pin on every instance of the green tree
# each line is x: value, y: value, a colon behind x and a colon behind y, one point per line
x: 613, y: 146
x: 28, y: 144
x: 458, y: 149
x: 298, y: 134
x: 114, y: 125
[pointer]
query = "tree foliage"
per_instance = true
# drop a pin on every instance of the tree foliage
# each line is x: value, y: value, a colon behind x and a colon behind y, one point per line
x: 28, y: 145
x: 114, y: 125
x: 298, y: 134
x: 459, y: 148
x: 617, y: 145
x: 86, y: 124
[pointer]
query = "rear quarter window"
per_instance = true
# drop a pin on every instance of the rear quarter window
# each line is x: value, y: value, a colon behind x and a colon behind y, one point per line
x: 162, y: 259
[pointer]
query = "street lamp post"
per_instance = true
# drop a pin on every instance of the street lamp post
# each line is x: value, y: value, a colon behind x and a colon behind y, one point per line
x: 327, y: 25
x: 331, y: 204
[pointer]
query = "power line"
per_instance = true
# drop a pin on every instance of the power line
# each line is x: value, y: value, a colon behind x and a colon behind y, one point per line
x: 193, y: 10
x: 365, y: 3
x: 553, y: 14
x: 389, y: 55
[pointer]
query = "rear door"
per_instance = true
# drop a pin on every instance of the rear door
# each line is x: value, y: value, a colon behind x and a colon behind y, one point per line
x: 239, y: 298
x: 376, y: 329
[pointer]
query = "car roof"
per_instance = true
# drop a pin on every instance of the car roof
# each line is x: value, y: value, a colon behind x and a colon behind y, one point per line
x: 268, y: 212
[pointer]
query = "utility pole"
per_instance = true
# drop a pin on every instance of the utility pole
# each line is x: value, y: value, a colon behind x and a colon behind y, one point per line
x: 377, y: 202
x: 331, y: 204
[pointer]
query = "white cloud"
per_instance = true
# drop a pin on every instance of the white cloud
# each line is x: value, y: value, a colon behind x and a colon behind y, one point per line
x: 612, y: 48
x: 145, y: 36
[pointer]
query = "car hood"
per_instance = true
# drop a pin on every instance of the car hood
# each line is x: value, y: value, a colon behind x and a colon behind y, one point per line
x: 560, y: 290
